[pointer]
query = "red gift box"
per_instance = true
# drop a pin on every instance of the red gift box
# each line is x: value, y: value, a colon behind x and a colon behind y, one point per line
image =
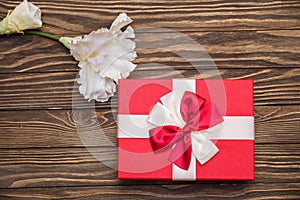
x: 234, y: 141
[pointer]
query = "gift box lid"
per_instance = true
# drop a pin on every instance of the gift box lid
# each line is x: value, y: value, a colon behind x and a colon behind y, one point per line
x: 235, y: 157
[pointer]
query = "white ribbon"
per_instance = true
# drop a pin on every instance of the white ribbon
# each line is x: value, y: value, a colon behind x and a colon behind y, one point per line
x: 137, y: 126
x: 168, y: 113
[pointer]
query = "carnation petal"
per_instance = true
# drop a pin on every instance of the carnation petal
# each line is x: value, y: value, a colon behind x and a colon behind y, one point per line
x: 121, y: 21
x: 129, y: 33
x: 93, y: 86
x: 81, y: 49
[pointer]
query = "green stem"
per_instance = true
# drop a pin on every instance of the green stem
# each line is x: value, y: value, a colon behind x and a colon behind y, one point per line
x: 43, y: 34
x: 63, y: 40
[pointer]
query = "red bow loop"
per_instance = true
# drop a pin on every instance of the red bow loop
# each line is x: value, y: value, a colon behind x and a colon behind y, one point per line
x: 199, y: 114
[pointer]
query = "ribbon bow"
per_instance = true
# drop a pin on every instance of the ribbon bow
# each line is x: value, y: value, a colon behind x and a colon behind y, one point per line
x: 184, y: 125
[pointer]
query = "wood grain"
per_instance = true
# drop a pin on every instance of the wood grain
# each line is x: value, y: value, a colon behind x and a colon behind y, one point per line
x: 55, y: 90
x: 41, y: 154
x: 242, y: 190
x: 42, y: 167
x: 162, y: 51
x: 62, y: 17
x: 57, y: 128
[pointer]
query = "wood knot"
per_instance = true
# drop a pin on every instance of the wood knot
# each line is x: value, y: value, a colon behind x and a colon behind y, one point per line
x: 83, y: 117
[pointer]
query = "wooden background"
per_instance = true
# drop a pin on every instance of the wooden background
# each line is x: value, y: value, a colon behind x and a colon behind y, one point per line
x: 41, y: 154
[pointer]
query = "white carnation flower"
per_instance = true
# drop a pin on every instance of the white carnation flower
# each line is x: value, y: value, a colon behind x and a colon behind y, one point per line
x: 104, y: 56
x: 93, y: 86
x: 24, y: 16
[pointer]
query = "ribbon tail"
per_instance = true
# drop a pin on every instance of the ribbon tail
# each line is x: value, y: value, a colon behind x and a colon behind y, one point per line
x: 203, y: 148
x: 182, y: 153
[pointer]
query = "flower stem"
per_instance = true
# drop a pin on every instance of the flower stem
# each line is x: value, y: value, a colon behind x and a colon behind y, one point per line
x: 43, y: 34
x: 63, y: 40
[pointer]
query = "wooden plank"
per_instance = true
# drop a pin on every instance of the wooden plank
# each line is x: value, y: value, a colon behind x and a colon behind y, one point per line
x: 57, y: 128
x: 41, y: 154
x: 62, y: 17
x: 52, y: 167
x: 54, y: 90
x: 235, y: 49
x: 194, y: 190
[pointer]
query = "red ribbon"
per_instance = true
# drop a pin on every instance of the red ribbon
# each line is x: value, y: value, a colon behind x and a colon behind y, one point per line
x: 199, y: 114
